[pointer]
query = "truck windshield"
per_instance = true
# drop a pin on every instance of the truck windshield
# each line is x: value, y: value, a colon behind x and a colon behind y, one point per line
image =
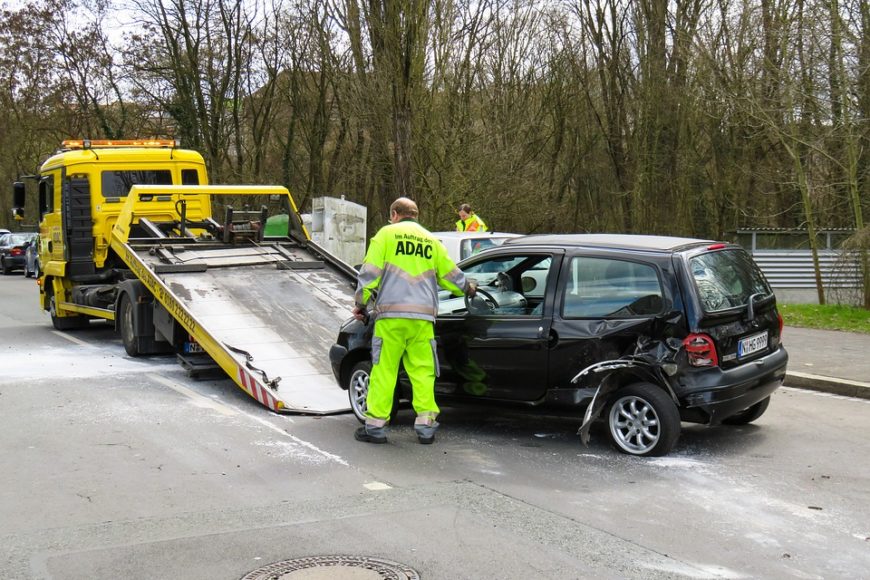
x: 118, y: 183
x: 726, y: 279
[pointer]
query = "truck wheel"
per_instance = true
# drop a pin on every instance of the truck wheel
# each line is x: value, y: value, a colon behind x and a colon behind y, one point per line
x: 643, y: 420
x: 358, y: 390
x: 127, y: 326
x: 749, y: 415
x: 65, y: 322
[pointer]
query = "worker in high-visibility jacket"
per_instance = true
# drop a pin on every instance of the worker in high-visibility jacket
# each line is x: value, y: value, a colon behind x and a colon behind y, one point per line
x: 406, y: 265
x: 469, y: 221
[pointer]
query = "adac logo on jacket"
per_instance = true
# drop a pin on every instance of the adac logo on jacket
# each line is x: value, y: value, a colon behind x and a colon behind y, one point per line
x: 410, y: 245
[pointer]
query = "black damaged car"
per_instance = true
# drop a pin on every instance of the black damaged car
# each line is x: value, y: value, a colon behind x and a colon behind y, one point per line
x: 641, y: 331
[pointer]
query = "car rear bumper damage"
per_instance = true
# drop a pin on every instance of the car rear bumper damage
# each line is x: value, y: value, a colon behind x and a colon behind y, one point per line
x: 712, y: 395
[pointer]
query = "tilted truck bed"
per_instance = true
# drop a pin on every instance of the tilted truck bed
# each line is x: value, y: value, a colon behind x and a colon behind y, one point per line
x: 267, y: 312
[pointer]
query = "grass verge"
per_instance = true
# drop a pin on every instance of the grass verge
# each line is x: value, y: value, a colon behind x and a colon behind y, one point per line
x: 827, y: 317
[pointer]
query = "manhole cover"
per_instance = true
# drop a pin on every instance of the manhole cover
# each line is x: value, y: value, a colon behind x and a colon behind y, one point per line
x: 333, y: 568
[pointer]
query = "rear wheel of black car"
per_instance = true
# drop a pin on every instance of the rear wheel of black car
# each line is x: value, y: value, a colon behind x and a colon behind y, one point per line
x: 643, y: 421
x: 749, y: 415
x: 4, y: 268
x: 358, y: 390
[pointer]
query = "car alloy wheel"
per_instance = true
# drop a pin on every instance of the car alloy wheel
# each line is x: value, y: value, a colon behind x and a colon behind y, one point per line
x: 643, y: 420
x: 358, y: 389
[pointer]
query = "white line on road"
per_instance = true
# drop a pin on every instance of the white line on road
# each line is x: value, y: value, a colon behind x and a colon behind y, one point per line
x: 201, y: 401
x: 72, y: 339
x: 297, y: 440
x: 197, y: 399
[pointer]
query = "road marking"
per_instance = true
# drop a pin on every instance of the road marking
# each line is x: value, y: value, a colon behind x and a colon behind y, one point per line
x: 72, y: 339
x: 377, y: 486
x: 198, y: 400
x: 297, y: 440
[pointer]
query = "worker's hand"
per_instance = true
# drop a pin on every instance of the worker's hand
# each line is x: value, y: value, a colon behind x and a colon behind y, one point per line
x: 471, y: 288
x: 360, y: 314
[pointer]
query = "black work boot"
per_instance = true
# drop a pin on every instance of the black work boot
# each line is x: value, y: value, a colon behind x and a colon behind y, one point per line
x: 362, y: 435
x: 426, y: 432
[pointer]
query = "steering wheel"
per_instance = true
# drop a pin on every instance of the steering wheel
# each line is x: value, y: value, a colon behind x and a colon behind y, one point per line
x: 489, y: 303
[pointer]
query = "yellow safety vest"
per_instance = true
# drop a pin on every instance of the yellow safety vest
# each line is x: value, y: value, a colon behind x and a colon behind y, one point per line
x: 472, y: 224
x: 407, y: 265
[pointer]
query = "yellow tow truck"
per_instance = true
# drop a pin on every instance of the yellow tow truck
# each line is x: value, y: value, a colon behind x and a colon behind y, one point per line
x: 129, y: 234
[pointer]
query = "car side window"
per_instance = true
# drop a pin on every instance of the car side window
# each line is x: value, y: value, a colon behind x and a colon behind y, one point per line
x: 609, y: 288
x: 513, y: 285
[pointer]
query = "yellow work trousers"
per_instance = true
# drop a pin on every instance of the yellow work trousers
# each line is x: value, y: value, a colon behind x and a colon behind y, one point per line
x: 412, y: 343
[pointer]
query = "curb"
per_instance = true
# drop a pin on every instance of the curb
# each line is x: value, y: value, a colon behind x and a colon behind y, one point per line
x: 844, y: 387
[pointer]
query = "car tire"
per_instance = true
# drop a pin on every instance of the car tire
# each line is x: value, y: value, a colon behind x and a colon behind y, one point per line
x: 36, y: 272
x: 27, y: 272
x: 4, y: 268
x: 643, y: 420
x: 749, y: 415
x: 127, y: 326
x: 358, y: 390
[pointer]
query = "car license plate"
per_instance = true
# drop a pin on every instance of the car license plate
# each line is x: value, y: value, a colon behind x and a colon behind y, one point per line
x: 752, y: 344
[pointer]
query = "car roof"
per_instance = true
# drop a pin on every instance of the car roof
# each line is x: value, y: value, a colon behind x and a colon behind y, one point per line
x: 464, y: 235
x: 611, y: 241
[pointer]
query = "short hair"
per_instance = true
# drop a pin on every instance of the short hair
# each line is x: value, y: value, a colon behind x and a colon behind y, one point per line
x: 405, y: 207
x: 466, y: 208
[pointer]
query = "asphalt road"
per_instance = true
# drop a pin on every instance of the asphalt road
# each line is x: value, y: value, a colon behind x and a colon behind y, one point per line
x: 114, y: 467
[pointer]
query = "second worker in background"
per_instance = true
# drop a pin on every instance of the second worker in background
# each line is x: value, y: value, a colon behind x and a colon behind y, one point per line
x: 406, y: 265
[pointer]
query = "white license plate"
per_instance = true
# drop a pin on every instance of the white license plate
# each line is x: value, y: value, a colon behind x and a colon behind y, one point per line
x: 752, y: 344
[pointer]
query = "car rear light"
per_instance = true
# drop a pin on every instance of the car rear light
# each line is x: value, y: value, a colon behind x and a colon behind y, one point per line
x: 16, y: 252
x: 701, y: 351
x: 715, y: 246
x: 779, y: 317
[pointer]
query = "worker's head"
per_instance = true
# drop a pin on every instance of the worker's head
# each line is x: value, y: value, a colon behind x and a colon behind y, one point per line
x: 465, y: 211
x: 403, y: 208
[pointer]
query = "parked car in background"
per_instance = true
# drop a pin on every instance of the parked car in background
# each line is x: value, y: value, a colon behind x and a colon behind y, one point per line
x: 4, y: 231
x: 641, y: 331
x: 31, y: 259
x: 462, y: 245
x: 12, y: 250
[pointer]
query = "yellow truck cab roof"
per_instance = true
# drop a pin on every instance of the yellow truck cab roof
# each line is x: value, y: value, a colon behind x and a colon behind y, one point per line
x: 125, y: 155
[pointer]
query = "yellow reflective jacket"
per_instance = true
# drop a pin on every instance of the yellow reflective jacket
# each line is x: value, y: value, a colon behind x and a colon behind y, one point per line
x: 472, y: 224
x: 407, y: 265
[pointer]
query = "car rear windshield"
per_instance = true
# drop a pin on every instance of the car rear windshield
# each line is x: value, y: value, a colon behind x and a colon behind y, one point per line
x: 726, y: 279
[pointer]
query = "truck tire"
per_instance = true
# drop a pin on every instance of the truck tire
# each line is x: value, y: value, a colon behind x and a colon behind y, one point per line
x: 643, y: 420
x: 126, y: 325
x: 65, y: 322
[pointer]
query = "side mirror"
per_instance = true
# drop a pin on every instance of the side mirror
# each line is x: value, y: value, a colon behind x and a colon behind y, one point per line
x: 18, y: 198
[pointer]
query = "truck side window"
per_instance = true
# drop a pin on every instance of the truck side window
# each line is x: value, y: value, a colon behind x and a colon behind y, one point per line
x: 46, y: 195
x: 189, y: 177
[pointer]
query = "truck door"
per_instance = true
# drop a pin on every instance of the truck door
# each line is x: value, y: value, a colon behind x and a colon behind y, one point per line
x: 499, y: 350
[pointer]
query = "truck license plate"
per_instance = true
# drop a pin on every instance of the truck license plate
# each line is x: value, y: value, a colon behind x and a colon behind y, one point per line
x: 752, y: 344
x: 192, y: 347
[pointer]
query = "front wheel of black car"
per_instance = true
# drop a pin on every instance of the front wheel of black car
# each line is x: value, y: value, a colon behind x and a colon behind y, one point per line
x: 749, y: 415
x: 643, y: 421
x: 358, y: 390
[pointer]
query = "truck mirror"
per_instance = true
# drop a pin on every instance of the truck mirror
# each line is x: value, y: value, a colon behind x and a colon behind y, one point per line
x: 18, y: 197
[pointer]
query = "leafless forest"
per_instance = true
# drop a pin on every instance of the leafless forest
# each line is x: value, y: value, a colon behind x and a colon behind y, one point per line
x: 650, y: 116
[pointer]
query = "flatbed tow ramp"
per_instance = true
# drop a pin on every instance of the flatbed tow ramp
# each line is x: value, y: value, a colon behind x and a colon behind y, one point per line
x: 265, y: 310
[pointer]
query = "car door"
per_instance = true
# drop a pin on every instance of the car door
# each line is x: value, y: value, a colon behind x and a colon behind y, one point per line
x: 499, y: 350
x: 603, y: 304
